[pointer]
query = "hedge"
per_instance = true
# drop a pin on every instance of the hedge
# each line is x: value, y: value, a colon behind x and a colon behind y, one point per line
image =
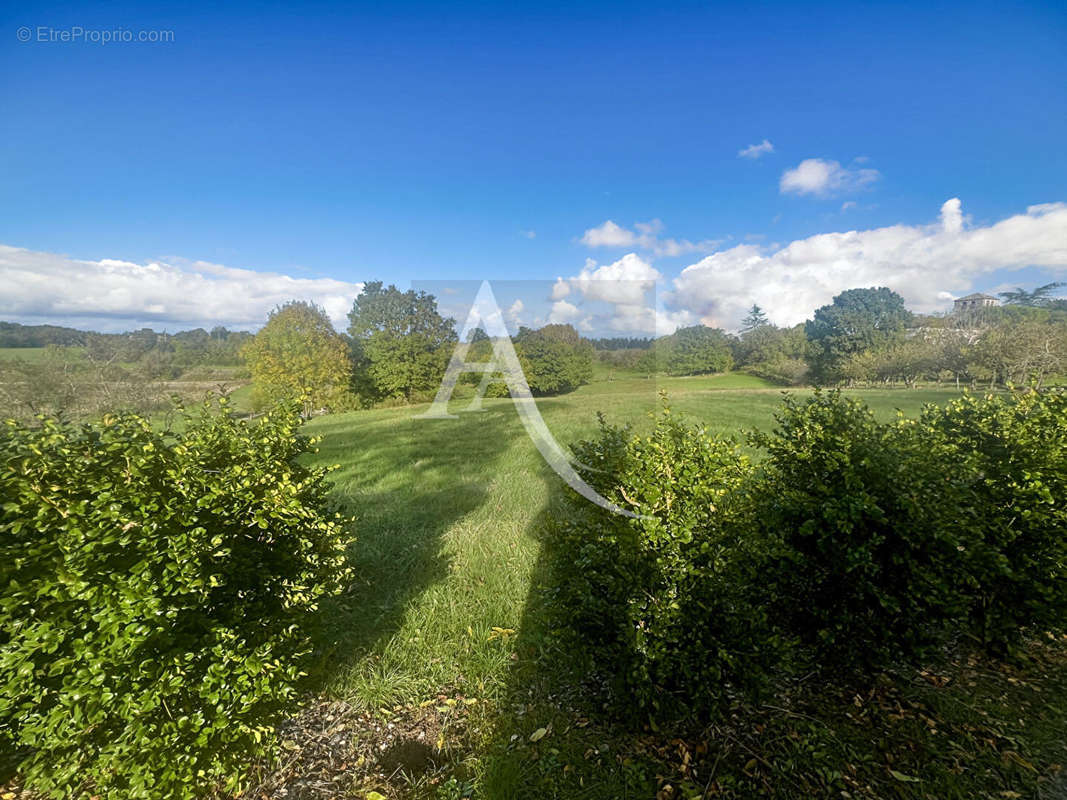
x: 158, y: 594
x: 849, y: 543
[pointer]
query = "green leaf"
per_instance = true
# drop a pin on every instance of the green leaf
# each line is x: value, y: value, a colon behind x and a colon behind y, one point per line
x: 900, y: 776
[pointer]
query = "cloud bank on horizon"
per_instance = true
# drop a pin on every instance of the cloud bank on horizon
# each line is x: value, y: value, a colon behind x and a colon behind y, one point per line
x: 114, y: 295
x: 927, y: 264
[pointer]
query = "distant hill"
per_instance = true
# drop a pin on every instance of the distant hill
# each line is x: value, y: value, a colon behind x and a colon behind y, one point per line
x: 180, y: 350
x: 14, y: 334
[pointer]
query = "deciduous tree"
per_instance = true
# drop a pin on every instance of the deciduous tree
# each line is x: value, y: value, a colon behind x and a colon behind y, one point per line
x: 856, y: 320
x: 554, y: 358
x: 400, y: 341
x: 299, y: 356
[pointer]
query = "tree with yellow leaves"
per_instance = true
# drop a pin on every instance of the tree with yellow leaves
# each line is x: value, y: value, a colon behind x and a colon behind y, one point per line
x: 299, y: 356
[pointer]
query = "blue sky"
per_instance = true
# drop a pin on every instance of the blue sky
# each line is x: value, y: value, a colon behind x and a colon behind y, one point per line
x: 409, y: 142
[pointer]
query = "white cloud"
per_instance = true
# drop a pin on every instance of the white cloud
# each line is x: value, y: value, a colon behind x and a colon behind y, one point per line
x: 513, y: 312
x: 821, y: 177
x: 564, y: 312
x: 845, y: 206
x: 923, y: 262
x: 756, y: 150
x: 645, y: 237
x: 115, y: 295
x: 529, y: 234
x: 646, y: 320
x: 609, y: 235
x: 627, y: 280
x: 952, y: 216
x: 619, y: 297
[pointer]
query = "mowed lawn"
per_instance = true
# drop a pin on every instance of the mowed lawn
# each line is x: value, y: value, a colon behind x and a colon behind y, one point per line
x: 446, y: 608
x: 447, y: 511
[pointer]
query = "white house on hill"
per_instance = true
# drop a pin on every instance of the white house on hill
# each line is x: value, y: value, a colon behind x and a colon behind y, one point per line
x: 973, y: 302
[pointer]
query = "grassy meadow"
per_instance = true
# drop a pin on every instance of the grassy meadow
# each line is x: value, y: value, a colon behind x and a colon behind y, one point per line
x: 440, y: 645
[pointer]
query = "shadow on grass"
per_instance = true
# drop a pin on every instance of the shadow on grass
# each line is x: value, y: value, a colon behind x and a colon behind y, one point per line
x: 973, y: 727
x: 969, y: 727
x: 406, y: 481
x: 553, y: 734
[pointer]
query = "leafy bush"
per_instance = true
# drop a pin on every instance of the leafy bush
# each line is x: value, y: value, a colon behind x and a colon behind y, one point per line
x: 1006, y: 458
x: 667, y: 603
x: 157, y: 593
x: 868, y: 547
x: 852, y: 543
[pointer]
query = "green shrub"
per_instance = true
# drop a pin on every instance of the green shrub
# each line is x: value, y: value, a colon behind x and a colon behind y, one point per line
x: 853, y: 543
x: 868, y: 560
x: 157, y: 594
x: 667, y: 604
x: 1006, y: 457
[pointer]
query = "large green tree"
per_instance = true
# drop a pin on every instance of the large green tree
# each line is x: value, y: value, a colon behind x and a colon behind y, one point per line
x: 299, y: 356
x: 769, y: 343
x: 554, y: 358
x: 401, y: 342
x: 856, y: 320
x: 697, y: 350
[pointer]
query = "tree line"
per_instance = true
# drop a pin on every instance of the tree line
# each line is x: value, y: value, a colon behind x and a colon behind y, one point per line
x: 868, y: 336
x: 181, y: 350
x: 81, y: 374
x: 397, y: 344
x: 395, y: 349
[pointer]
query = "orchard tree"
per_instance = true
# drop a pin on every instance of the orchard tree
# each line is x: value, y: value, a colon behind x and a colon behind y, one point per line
x: 908, y: 360
x: 1022, y: 351
x: 299, y: 356
x: 400, y: 341
x: 954, y: 352
x: 856, y: 320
